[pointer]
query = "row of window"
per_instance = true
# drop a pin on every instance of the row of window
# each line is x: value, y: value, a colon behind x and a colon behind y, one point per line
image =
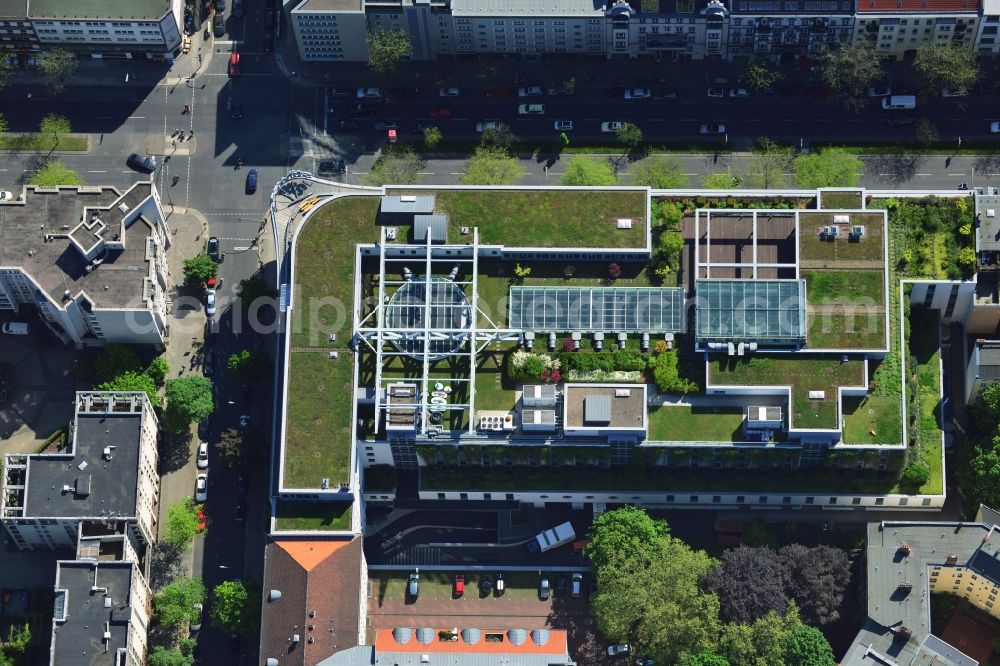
x: 693, y: 499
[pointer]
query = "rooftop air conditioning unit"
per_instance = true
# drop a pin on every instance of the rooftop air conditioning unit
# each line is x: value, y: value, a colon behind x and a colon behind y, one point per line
x: 858, y: 230
x: 408, y: 198
x: 834, y: 231
x: 841, y: 219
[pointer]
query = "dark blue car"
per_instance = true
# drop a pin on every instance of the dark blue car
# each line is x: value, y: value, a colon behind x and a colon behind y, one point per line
x: 251, y: 181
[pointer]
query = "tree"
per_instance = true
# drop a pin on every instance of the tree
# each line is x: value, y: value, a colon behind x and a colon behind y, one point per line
x: 651, y: 598
x: 253, y: 288
x: 189, y: 399
x: 720, y: 180
x: 816, y: 578
x: 58, y: 67
x: 629, y: 137
x: 806, y: 646
x: 161, y: 656
x: 174, y: 605
x: 761, y: 75
x: 18, y: 639
x: 986, y: 410
x: 492, y: 165
x: 761, y: 643
x: 582, y: 170
x: 499, y: 136
x: 521, y: 272
x: 181, y: 525
x: 4, y: 125
x: 157, y: 370
x: 114, y: 359
x: 233, y: 608
x: 979, y: 473
x: 757, y: 533
x: 750, y: 583
x: 385, y: 48
x: 659, y: 172
x: 432, y: 137
x: 616, y: 534
x: 914, y: 475
x: 830, y: 167
x: 849, y: 69
x: 52, y: 173
x: 707, y: 659
x: 251, y: 366
x: 667, y: 255
x: 927, y: 132
x: 395, y: 166
x: 55, y: 125
x: 133, y: 381
x: 769, y: 162
x: 230, y: 449
x: 7, y: 71
x: 942, y: 65
x: 199, y: 269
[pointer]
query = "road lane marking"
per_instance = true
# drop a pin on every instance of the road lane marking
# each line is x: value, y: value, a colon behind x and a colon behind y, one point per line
x: 425, y: 173
x: 457, y: 173
x: 923, y: 174
x: 96, y: 171
x: 137, y: 117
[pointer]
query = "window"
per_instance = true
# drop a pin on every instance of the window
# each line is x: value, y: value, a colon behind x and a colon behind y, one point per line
x: 440, y: 496
x: 694, y: 499
x: 716, y: 499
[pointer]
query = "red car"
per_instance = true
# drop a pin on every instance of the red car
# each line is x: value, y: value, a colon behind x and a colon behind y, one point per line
x: 234, y: 64
x: 498, y: 91
x: 443, y: 112
x: 459, y: 585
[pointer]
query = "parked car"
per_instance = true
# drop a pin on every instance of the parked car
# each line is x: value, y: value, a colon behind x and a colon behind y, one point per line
x: 638, y: 93
x: 369, y: 93
x: 251, y: 181
x: 716, y: 92
x: 241, y: 484
x: 531, y: 91
x: 443, y: 112
x: 644, y: 661
x: 487, y: 125
x: 212, y: 248
x: 210, y: 303
x: 485, y: 585
x: 196, y: 623
x: 500, y: 584
x: 498, y: 91
x: 220, y: 6
x: 543, y: 589
x: 240, y: 512
x: 564, y: 125
x: 206, y: 364
x: 219, y: 25
x: 739, y: 92
x: 331, y: 167
x: 141, y: 163
x: 238, y: 8
x: 459, y: 588
x: 879, y: 91
x: 957, y: 92
x: 576, y: 587
x: 387, y: 124
x: 201, y: 488
x: 413, y: 585
x: 615, y: 650
x: 449, y: 92
x: 403, y: 92
x: 203, y: 455
x: 561, y: 584
x: 713, y: 128
x: 531, y: 109
x: 423, y: 124
x: 565, y: 91
x: 234, y: 64
x: 244, y: 421
x: 15, y: 328
x: 612, y: 126
x: 901, y: 121
x: 666, y: 94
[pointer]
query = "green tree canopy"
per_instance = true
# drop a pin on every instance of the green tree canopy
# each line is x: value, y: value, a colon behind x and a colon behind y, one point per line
x: 4, y: 125
x: 385, y: 48
x: 18, y: 639
x: 661, y: 172
x: 948, y: 64
x: 158, y: 369
x: 181, y: 524
x: 58, y: 67
x: 251, y: 366
x: 432, y: 137
x: 769, y: 162
x: 614, y: 534
x: 133, y: 381
x: 629, y: 136
x: 174, y: 605
x: 234, y: 609
x: 830, y: 167
x: 500, y: 136
x: 7, y: 71
x: 761, y: 643
x: 707, y: 659
x: 492, y: 165
x: 395, y: 166
x: 52, y: 173
x: 189, y: 399
x: 979, y: 472
x: 114, y: 359
x: 199, y: 269
x: 849, y: 69
x: 761, y: 75
x: 55, y: 125
x: 720, y: 180
x: 161, y: 656
x: 927, y: 132
x: 231, y: 449
x: 806, y: 646
x: 583, y: 170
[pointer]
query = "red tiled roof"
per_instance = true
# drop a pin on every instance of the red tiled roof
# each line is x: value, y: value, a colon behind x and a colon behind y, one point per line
x: 918, y: 6
x: 315, y: 575
x: 557, y: 644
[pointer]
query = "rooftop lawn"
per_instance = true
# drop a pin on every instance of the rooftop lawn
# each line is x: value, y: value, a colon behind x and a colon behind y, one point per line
x: 869, y: 248
x: 494, y: 390
x: 295, y: 516
x: 924, y: 345
x: 684, y: 423
x: 875, y: 419
x: 839, y: 331
x: 802, y: 373
x: 844, y: 286
x: 546, y: 218
x: 634, y: 478
x: 850, y: 200
x: 318, y: 434
x: 323, y: 288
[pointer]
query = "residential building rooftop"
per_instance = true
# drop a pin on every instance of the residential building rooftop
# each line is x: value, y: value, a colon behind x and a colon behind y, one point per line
x: 988, y: 222
x: 93, y: 612
x: 604, y: 407
x: 330, y: 6
x: 142, y: 10
x: 568, y: 8
x: 917, y: 6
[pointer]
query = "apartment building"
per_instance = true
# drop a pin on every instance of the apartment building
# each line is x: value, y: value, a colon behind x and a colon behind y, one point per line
x: 91, y: 261
x: 987, y: 42
x: 17, y: 35
x: 330, y: 30
x: 898, y: 27
x: 669, y: 29
x: 115, y: 28
x: 780, y: 30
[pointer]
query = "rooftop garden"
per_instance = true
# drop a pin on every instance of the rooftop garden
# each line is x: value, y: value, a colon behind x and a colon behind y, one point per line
x: 923, y: 396
x: 312, y: 516
x: 803, y: 373
x: 816, y: 252
x: 843, y: 199
x: 685, y: 423
x: 549, y: 218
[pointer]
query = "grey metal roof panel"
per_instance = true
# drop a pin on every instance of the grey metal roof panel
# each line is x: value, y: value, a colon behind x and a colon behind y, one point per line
x: 437, y: 225
x: 948, y: 653
x: 517, y: 636
x: 471, y: 636
x: 425, y: 635
x: 419, y: 204
x: 597, y: 409
x: 540, y: 636
x: 402, y: 635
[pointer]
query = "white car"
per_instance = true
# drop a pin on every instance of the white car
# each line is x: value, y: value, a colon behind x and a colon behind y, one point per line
x: 487, y: 125
x: 532, y: 91
x: 612, y: 126
x: 638, y: 93
x: 713, y: 128
x: 210, y: 303
x: 6, y: 196
x: 615, y: 650
x: 449, y: 92
x: 957, y: 92
x: 739, y: 92
x: 201, y: 488
x: 716, y: 92
x: 531, y: 109
x: 564, y: 125
x: 369, y: 93
x: 879, y: 91
x: 203, y: 455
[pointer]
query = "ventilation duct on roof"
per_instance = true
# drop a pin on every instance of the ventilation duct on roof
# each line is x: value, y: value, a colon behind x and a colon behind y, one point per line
x: 517, y: 636
x: 425, y: 635
x: 402, y: 635
x: 470, y: 636
x: 274, y: 595
x: 540, y: 636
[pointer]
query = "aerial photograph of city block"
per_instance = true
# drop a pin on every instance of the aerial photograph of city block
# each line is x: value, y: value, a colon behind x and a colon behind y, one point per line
x: 468, y: 333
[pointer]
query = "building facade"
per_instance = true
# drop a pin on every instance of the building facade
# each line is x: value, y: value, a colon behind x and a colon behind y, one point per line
x: 120, y: 28
x: 898, y: 27
x: 783, y: 29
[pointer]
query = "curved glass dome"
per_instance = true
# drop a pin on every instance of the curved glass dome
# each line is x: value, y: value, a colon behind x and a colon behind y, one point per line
x: 447, y: 313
